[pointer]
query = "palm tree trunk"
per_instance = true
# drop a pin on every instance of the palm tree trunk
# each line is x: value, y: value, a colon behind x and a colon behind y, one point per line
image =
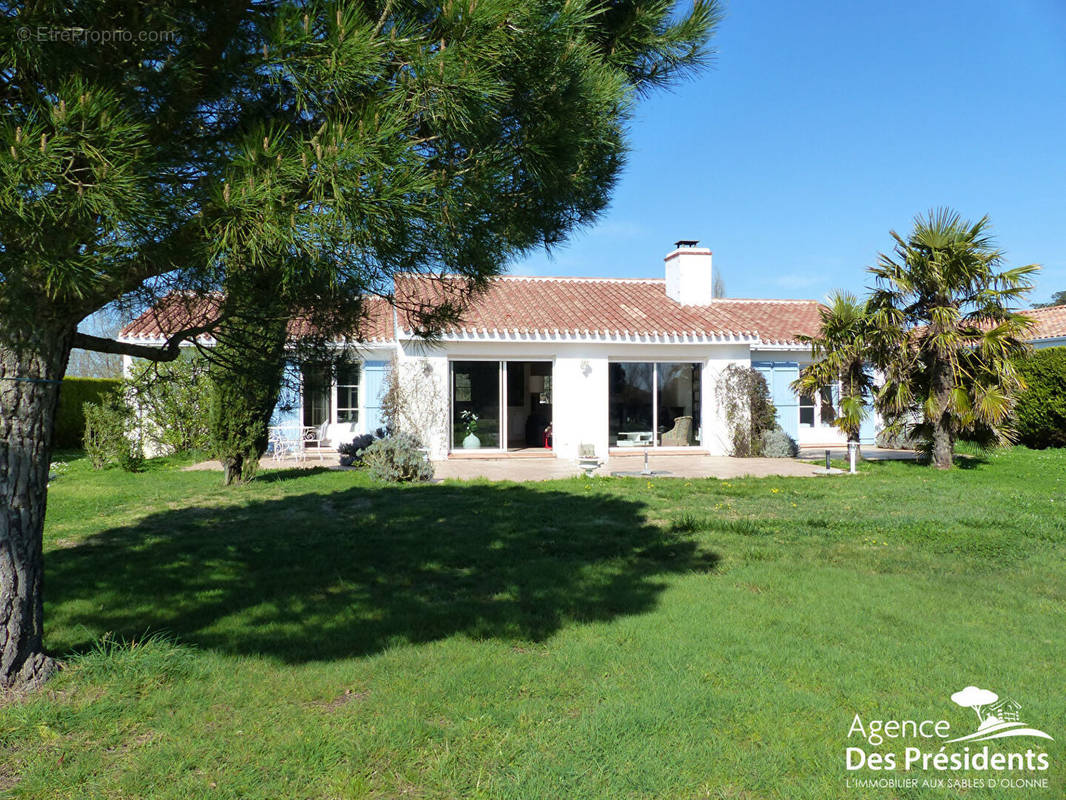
x: 943, y: 443
x: 943, y: 429
x: 33, y: 359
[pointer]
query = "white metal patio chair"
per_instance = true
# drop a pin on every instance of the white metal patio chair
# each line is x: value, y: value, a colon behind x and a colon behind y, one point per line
x: 285, y: 442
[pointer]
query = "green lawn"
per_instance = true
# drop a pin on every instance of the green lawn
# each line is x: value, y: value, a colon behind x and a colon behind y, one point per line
x: 314, y: 635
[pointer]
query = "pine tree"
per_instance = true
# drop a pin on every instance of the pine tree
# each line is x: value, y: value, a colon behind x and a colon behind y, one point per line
x: 332, y: 143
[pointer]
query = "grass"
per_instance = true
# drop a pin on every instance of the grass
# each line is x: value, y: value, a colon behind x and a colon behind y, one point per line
x: 315, y: 635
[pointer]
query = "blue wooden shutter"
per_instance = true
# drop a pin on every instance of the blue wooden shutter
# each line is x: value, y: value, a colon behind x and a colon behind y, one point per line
x: 868, y: 429
x: 287, y: 411
x: 766, y: 369
x: 779, y: 375
x: 785, y: 400
x: 375, y: 374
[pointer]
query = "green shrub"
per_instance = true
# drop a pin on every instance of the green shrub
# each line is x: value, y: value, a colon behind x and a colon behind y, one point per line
x: 1040, y: 412
x: 778, y: 444
x: 397, y: 459
x: 108, y: 441
x: 74, y: 393
x: 173, y: 401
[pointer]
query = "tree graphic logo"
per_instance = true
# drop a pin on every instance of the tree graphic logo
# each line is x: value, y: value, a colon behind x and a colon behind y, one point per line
x: 996, y: 719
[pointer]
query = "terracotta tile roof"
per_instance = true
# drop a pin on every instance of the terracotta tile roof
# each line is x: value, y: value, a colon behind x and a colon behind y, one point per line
x: 571, y: 306
x: 178, y: 311
x: 1050, y: 322
x: 607, y: 307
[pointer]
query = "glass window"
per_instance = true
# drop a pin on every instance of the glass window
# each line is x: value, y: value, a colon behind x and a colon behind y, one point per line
x: 807, y: 410
x: 348, y: 393
x: 654, y: 404
x: 826, y: 413
x: 316, y: 385
x: 475, y: 404
x: 631, y: 409
x: 678, y: 404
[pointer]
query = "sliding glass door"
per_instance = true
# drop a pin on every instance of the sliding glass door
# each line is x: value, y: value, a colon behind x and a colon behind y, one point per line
x: 631, y: 415
x: 678, y: 406
x: 654, y: 404
x: 475, y: 404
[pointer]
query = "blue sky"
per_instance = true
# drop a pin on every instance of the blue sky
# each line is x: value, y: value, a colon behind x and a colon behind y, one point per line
x: 824, y: 125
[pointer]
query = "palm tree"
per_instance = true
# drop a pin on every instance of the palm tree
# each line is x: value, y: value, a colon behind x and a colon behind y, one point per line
x: 841, y: 355
x: 944, y: 334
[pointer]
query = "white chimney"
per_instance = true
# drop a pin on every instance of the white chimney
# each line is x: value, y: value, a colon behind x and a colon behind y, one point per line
x: 688, y: 274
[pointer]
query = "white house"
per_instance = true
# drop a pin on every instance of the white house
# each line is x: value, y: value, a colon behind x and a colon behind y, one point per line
x: 547, y: 365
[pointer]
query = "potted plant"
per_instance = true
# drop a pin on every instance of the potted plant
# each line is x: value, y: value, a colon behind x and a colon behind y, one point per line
x: 470, y: 426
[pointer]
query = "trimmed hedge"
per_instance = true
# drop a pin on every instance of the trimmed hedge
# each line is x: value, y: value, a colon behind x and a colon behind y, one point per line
x: 70, y: 416
x: 1040, y: 414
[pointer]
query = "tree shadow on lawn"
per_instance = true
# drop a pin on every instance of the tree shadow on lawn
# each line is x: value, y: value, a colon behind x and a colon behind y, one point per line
x: 325, y: 576
x: 277, y: 474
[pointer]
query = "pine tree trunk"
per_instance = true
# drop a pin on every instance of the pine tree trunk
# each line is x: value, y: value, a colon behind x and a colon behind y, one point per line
x: 232, y: 469
x: 33, y: 359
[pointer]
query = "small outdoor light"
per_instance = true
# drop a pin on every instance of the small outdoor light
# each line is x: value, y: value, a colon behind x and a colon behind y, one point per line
x: 853, y: 450
x: 827, y: 461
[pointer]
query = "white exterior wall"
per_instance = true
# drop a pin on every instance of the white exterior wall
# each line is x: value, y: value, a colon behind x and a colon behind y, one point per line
x: 579, y: 404
x: 425, y: 369
x: 579, y: 383
x: 716, y: 437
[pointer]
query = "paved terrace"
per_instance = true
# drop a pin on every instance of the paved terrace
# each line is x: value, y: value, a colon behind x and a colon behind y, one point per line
x: 543, y: 469
x: 687, y: 466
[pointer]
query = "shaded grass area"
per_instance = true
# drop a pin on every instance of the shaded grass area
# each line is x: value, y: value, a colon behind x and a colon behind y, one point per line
x: 329, y: 637
x: 346, y: 572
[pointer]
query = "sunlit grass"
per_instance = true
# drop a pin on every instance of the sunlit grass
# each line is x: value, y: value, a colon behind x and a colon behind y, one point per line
x: 316, y: 635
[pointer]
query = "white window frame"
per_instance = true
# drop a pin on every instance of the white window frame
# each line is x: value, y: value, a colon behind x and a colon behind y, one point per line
x: 359, y: 407
x: 817, y: 407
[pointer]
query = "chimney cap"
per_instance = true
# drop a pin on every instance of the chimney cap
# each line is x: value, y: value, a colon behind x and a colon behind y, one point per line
x: 686, y: 242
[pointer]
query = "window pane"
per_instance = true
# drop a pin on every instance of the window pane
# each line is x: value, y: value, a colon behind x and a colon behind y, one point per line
x: 807, y: 410
x: 827, y: 413
x: 630, y: 399
x: 347, y: 404
x: 348, y: 375
x: 348, y: 393
x: 679, y: 404
x: 475, y: 404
